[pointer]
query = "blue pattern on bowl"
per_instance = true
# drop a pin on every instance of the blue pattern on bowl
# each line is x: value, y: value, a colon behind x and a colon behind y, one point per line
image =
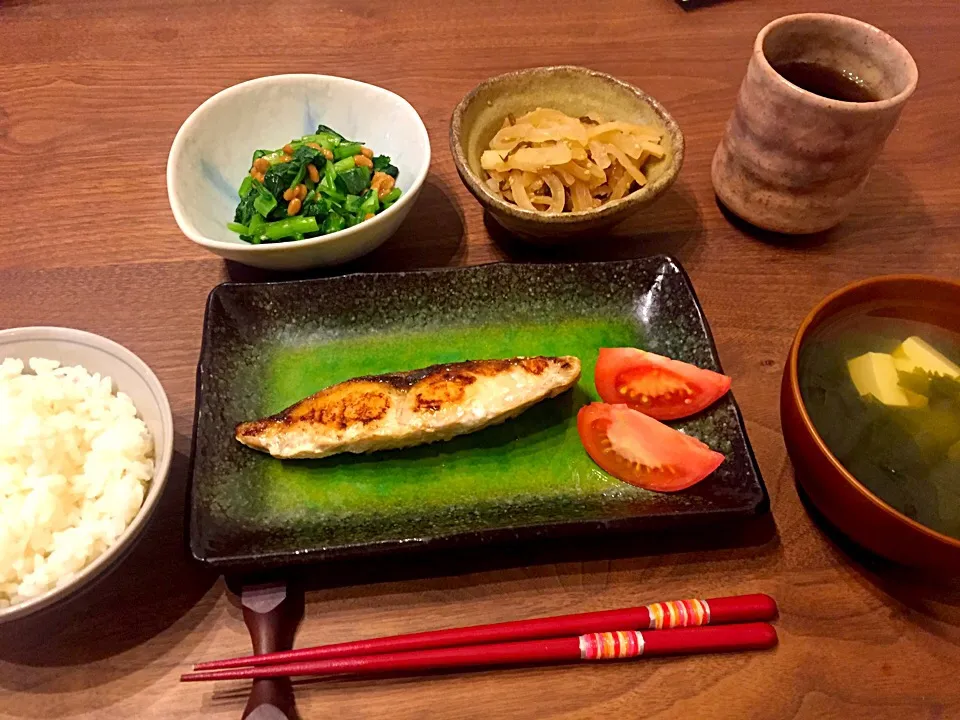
x: 217, y: 180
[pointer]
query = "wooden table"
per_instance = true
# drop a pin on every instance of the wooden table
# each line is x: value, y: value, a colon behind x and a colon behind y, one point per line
x: 91, y: 94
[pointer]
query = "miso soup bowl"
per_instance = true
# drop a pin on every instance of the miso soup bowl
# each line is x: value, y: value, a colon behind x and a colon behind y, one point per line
x: 840, y: 497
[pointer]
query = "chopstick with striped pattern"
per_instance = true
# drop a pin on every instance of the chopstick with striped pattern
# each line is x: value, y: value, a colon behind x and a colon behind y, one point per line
x: 621, y: 644
x: 657, y: 616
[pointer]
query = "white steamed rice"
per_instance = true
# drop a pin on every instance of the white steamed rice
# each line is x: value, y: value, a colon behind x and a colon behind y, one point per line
x: 75, y: 462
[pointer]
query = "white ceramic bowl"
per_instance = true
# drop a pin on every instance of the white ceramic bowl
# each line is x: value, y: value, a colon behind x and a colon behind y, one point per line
x: 211, y: 154
x: 131, y: 375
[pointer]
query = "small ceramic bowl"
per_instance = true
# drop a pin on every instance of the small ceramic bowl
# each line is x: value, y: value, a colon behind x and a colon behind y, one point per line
x: 211, y: 155
x: 131, y: 376
x: 842, y: 499
x: 576, y: 91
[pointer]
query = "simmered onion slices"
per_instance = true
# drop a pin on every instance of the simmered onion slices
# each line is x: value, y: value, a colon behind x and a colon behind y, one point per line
x: 547, y: 161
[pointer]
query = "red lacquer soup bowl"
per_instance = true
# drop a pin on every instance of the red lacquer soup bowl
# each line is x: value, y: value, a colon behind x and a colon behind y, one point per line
x: 844, y: 501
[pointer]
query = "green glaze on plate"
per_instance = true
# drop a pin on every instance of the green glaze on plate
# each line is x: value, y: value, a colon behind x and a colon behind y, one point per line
x: 527, y: 460
x: 267, y: 346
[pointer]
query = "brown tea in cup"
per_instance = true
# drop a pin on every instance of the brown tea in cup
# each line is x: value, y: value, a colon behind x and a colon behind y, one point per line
x: 827, y: 81
x: 821, y: 95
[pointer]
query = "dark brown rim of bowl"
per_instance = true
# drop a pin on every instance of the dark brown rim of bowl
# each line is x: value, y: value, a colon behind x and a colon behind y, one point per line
x: 649, y: 191
x: 813, y: 319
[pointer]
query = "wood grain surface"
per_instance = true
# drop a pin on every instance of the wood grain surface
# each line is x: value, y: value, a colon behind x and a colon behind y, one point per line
x: 91, y: 94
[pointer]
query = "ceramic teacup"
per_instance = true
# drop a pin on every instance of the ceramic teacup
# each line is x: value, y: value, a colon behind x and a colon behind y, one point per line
x: 793, y: 160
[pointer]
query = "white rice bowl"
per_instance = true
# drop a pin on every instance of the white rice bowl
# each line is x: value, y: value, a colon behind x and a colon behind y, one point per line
x: 75, y: 465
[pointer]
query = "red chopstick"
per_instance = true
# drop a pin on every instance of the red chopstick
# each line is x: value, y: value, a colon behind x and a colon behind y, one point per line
x: 595, y: 646
x: 665, y: 615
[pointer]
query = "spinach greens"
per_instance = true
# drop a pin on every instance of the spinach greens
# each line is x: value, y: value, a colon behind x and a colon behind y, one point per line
x: 315, y: 185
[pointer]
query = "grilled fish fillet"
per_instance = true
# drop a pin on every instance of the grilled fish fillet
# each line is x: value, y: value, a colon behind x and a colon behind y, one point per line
x: 398, y: 410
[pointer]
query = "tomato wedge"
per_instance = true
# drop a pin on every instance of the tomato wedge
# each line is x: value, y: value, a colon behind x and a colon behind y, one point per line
x: 655, y: 385
x: 642, y: 451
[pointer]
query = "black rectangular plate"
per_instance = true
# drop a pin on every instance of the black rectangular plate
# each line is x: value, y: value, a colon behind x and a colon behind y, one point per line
x: 249, y: 511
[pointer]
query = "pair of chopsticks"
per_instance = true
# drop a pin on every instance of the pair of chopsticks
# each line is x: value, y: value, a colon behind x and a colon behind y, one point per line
x: 722, y: 624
